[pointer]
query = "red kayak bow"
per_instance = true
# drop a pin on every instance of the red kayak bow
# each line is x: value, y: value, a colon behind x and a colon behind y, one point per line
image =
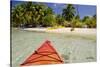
x: 45, y: 54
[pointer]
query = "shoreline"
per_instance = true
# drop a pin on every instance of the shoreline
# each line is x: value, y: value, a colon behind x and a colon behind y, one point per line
x: 65, y: 30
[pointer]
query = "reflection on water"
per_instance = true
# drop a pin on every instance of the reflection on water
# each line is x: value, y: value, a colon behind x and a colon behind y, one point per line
x: 73, y: 48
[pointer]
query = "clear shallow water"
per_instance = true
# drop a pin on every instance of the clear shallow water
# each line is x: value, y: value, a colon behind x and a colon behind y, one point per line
x: 73, y: 48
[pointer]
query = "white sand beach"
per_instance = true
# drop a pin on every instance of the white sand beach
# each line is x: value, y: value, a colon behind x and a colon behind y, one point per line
x: 65, y: 30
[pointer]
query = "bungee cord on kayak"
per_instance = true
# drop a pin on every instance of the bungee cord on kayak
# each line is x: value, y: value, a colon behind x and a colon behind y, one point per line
x: 45, y: 54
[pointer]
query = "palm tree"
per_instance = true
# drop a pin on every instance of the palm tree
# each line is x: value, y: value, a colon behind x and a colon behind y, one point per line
x: 69, y: 12
x: 90, y: 21
x: 17, y: 15
x: 85, y: 18
x: 29, y: 13
x: 77, y: 16
x: 60, y: 20
x: 39, y: 13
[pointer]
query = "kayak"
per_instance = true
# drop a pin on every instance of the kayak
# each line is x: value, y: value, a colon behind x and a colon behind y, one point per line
x: 45, y: 54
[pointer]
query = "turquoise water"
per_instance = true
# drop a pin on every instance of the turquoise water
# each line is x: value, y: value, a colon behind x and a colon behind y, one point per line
x: 72, y: 48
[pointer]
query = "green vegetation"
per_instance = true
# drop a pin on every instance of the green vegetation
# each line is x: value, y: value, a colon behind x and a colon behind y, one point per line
x: 31, y: 14
x: 90, y: 21
x: 69, y: 12
x: 55, y: 27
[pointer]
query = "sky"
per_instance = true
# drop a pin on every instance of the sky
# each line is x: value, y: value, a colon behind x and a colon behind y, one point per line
x: 84, y: 10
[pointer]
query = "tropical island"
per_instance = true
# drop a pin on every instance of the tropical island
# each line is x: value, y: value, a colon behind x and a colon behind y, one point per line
x: 70, y: 27
x: 34, y: 16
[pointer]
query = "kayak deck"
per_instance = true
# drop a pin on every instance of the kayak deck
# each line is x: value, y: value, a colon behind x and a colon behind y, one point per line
x: 45, y: 54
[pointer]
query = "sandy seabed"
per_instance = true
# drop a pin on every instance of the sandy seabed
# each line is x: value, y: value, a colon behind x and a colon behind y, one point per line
x: 74, y: 46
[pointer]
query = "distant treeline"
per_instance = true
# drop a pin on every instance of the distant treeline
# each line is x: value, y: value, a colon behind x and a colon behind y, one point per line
x: 31, y: 14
